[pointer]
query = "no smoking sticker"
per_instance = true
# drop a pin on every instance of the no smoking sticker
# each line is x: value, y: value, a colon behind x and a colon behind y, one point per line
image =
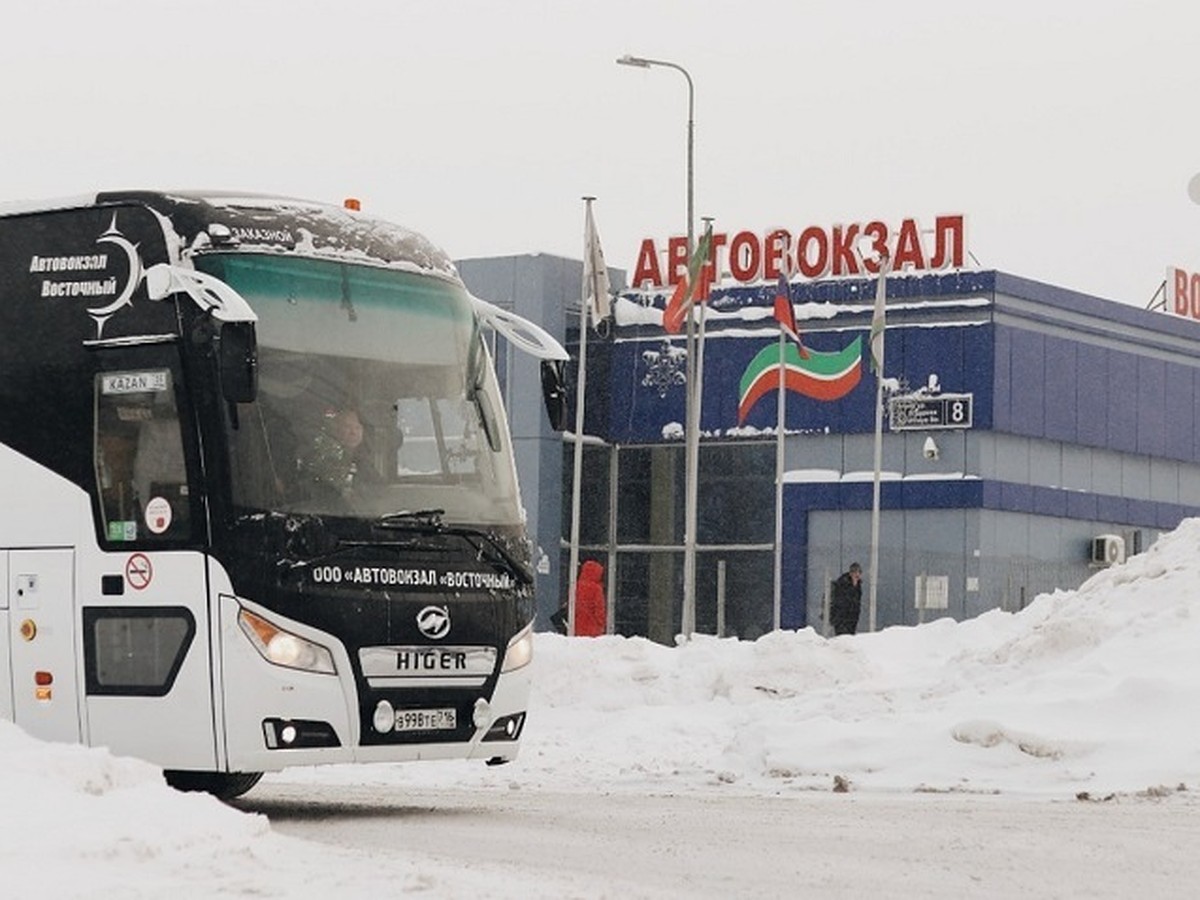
x: 138, y: 571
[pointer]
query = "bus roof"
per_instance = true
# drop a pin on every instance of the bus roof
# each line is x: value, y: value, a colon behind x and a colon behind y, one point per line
x: 228, y: 222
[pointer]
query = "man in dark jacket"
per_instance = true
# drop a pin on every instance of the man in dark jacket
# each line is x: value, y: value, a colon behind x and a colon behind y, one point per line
x: 846, y: 601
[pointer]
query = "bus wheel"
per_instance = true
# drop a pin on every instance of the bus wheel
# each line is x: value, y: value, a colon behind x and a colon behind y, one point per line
x: 222, y: 785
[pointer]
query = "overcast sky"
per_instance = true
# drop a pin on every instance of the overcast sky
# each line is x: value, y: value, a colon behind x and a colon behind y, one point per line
x: 1065, y: 131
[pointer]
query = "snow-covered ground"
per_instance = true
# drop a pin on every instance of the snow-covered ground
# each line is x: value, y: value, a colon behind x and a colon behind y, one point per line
x: 1085, y: 694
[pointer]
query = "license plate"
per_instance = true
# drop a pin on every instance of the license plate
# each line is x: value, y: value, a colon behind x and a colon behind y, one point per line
x: 426, y: 719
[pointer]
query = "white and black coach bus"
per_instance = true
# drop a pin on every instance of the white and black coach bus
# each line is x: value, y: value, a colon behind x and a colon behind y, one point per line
x: 259, y: 505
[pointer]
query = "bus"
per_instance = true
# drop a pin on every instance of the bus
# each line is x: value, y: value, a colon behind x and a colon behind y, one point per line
x: 260, y: 507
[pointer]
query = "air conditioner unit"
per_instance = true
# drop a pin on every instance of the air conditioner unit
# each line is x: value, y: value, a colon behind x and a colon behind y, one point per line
x: 1108, y: 550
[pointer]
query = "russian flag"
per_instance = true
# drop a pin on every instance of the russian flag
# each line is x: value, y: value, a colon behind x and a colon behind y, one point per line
x: 785, y: 315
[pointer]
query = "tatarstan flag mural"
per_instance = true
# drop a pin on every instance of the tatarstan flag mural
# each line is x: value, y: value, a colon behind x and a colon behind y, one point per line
x: 822, y: 376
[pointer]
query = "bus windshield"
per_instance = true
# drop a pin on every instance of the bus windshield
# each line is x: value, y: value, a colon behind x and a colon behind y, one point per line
x: 376, y: 395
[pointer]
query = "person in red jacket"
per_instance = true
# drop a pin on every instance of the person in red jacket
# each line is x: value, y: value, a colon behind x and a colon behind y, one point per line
x: 590, y: 603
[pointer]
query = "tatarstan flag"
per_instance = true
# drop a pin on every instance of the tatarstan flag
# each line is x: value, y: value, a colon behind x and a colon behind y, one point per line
x: 693, y: 286
x: 822, y: 376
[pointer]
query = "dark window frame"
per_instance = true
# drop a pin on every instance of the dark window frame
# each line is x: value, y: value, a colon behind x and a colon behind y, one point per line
x: 165, y: 355
x: 95, y: 614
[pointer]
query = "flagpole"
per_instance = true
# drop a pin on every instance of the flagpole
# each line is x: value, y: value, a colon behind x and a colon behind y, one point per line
x: 588, y: 292
x: 878, y: 322
x: 698, y: 291
x: 780, y: 410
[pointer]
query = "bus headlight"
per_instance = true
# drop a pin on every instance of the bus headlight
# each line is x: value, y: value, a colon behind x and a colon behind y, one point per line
x: 282, y: 648
x: 520, y: 650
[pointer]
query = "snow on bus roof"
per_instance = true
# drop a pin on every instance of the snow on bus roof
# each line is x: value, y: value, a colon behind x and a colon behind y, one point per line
x: 272, y: 224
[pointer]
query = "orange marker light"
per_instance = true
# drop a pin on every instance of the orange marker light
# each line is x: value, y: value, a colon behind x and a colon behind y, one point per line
x: 29, y: 629
x: 42, y: 693
x: 353, y: 203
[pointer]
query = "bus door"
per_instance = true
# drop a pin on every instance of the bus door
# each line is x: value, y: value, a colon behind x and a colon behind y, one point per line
x: 146, y: 640
x: 41, y: 638
x: 146, y: 658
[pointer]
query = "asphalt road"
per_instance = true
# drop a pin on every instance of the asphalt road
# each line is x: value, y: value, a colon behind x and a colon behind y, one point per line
x: 532, y: 843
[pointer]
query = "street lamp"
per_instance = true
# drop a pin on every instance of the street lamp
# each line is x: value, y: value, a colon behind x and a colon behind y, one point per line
x: 694, y: 373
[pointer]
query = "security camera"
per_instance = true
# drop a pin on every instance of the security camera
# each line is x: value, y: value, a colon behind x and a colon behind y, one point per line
x: 931, y: 449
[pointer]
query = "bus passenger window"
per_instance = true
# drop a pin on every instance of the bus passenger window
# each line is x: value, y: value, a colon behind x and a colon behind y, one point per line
x: 141, y: 475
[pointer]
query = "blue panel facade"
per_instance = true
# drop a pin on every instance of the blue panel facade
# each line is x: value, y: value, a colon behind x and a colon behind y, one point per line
x: 1062, y: 386
x: 1056, y: 388
x: 649, y: 396
x: 979, y: 354
x: 1179, y: 411
x: 1091, y: 396
x: 1061, y: 372
x: 1084, y: 421
x: 1027, y: 401
x: 1151, y: 407
x: 1122, y: 402
x: 1196, y: 422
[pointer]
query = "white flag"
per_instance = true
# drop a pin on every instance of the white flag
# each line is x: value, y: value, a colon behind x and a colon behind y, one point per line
x: 596, y: 288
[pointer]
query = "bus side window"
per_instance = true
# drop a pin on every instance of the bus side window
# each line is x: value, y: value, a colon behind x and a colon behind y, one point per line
x: 140, y: 469
x: 115, y: 451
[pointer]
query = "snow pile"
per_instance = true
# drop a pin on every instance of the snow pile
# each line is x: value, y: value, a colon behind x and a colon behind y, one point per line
x: 81, y: 823
x: 1082, y: 691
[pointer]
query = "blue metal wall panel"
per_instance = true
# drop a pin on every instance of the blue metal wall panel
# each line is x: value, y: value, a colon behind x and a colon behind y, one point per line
x: 1049, y: 502
x: 1112, y: 509
x: 941, y: 494
x: 1196, y: 424
x: 1151, y: 406
x: 1016, y: 497
x: 1122, y: 401
x: 1028, y: 387
x: 991, y: 495
x: 979, y: 349
x: 1096, y: 307
x: 1062, y: 385
x: 1082, y: 506
x: 1002, y: 418
x: 931, y: 351
x: 1091, y: 397
x: 1141, y: 511
x: 1180, y: 409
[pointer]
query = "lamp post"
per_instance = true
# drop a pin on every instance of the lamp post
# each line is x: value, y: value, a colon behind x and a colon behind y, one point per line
x: 694, y: 373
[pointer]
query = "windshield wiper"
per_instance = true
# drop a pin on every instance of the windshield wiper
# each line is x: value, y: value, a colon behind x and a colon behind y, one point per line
x: 291, y: 563
x: 429, y: 521
x: 499, y: 553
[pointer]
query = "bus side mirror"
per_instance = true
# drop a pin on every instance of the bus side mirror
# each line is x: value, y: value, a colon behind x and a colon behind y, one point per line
x: 554, y: 392
x: 239, y: 362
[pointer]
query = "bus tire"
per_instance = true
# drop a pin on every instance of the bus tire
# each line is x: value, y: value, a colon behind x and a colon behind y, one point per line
x: 222, y: 785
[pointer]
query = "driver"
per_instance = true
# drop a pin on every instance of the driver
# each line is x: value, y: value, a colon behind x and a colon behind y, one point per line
x: 336, y: 458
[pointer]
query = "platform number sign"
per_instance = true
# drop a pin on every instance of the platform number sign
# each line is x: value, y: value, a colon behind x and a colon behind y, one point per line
x: 914, y: 412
